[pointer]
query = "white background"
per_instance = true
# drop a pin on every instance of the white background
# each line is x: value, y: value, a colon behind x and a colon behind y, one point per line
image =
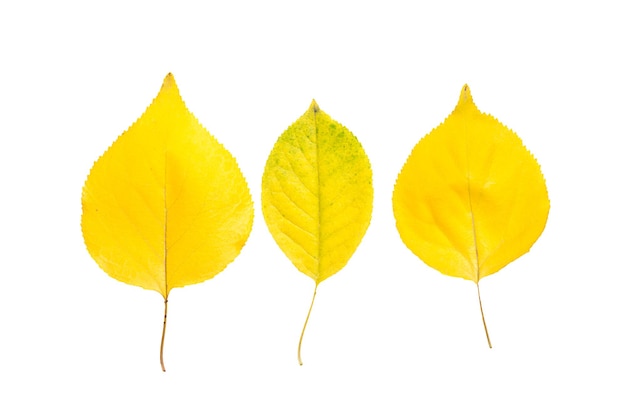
x: 387, y: 334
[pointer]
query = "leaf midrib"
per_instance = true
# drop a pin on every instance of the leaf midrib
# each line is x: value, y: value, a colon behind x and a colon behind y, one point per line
x: 319, y: 197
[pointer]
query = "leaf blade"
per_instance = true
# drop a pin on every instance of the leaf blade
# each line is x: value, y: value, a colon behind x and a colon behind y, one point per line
x: 317, y: 194
x: 166, y: 205
x: 470, y: 198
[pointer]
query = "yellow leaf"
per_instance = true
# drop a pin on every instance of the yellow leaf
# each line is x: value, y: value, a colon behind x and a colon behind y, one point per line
x: 470, y: 198
x: 166, y: 205
x: 317, y: 195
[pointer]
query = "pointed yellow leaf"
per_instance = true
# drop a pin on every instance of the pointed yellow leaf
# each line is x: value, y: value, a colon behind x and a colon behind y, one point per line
x: 470, y: 198
x: 166, y: 205
x: 317, y: 194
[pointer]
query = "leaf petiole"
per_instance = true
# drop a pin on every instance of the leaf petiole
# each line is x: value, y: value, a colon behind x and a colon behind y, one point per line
x: 480, y: 303
x: 163, y: 335
x: 305, y: 323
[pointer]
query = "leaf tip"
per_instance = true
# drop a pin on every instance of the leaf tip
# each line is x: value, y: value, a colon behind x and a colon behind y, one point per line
x: 314, y: 107
x: 465, y: 99
x: 169, y: 82
x: 466, y: 95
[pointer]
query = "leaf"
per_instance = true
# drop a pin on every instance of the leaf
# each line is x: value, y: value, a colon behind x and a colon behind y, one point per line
x: 470, y: 198
x: 166, y: 205
x: 317, y: 196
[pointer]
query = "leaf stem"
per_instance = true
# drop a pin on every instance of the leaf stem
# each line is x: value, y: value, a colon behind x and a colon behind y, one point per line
x: 305, y: 323
x: 480, y: 303
x: 163, y: 335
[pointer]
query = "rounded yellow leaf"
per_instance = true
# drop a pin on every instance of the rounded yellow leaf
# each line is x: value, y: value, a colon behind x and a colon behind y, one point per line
x: 470, y: 198
x: 317, y: 194
x: 166, y: 205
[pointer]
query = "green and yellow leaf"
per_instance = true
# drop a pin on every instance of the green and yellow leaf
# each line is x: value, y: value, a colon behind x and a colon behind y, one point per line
x: 317, y: 195
x: 166, y: 205
x: 470, y: 198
